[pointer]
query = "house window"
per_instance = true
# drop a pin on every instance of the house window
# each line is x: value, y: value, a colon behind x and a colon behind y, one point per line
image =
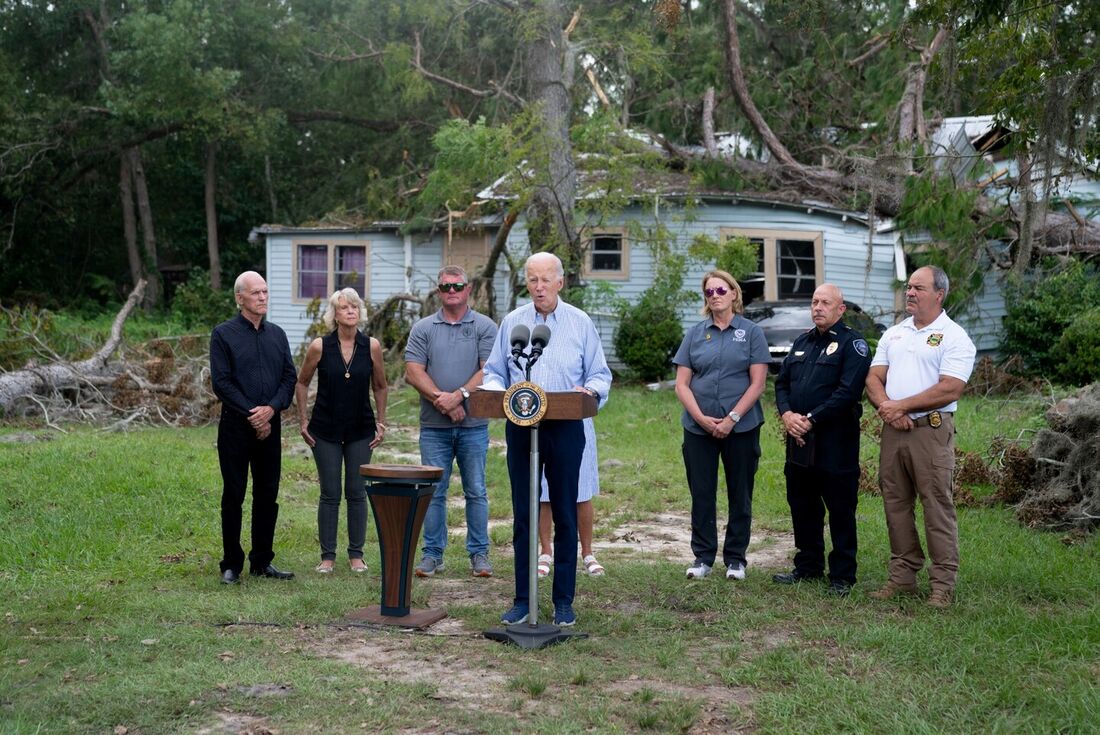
x: 790, y: 264
x: 797, y: 269
x: 607, y: 255
x: 313, y: 272
x: 321, y: 269
x: 351, y: 267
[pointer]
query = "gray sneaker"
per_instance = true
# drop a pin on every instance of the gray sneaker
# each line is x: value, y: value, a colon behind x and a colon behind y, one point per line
x: 428, y: 566
x: 481, y: 566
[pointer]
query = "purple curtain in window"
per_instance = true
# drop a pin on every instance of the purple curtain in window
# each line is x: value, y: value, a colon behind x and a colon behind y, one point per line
x: 351, y: 268
x: 312, y: 271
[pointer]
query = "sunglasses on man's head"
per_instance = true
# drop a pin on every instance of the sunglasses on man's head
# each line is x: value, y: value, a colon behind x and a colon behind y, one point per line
x: 721, y: 291
x: 452, y: 287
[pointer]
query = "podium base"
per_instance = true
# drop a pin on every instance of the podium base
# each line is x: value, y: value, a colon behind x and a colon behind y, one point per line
x: 532, y: 636
x: 417, y: 618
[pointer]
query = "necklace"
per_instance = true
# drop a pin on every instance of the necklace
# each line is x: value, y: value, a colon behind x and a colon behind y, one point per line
x: 347, y: 363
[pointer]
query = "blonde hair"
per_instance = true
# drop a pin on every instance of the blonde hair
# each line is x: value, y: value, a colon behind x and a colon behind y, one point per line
x: 738, y: 302
x: 351, y: 296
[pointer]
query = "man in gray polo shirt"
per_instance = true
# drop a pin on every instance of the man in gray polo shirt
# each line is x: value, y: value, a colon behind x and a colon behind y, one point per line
x: 443, y: 361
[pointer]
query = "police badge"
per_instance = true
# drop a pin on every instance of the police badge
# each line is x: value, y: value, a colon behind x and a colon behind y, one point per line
x: 525, y: 404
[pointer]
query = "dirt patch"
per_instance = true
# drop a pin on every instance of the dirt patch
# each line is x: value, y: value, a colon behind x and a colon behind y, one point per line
x: 714, y: 701
x: 236, y: 724
x: 400, y: 658
x: 667, y: 537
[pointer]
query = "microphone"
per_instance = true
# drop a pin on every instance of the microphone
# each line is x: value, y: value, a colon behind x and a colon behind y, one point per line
x: 519, y: 338
x: 540, y: 337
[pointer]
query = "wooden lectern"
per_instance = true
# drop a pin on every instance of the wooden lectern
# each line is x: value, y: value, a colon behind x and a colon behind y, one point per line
x: 562, y: 405
x: 399, y: 497
x: 566, y: 404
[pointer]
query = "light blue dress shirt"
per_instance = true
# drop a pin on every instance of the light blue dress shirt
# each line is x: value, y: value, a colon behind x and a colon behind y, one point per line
x: 573, y: 356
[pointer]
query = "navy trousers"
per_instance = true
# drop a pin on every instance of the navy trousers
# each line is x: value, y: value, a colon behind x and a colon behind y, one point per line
x: 561, y: 445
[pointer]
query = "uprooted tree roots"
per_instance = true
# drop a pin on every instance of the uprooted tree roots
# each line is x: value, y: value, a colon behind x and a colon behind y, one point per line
x: 1061, y: 485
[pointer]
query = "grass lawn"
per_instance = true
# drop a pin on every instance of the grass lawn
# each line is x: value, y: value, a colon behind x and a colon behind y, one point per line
x: 113, y: 616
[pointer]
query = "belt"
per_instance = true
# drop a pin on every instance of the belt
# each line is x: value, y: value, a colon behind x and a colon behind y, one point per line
x: 933, y: 419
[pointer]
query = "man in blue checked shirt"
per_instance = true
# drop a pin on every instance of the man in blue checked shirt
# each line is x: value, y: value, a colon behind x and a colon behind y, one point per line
x: 573, y: 360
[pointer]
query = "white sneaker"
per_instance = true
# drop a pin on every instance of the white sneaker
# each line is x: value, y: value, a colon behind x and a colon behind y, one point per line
x: 698, y: 570
x: 735, y: 571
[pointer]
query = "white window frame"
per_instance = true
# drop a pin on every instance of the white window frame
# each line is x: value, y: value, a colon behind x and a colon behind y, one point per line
x: 771, y: 253
x: 330, y: 266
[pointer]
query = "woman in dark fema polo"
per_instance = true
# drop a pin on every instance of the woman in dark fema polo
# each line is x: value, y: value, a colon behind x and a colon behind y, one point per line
x: 342, y: 430
x: 721, y: 369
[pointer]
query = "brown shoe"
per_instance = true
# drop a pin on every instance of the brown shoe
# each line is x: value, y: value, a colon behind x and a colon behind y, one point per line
x: 891, y: 590
x: 939, y: 599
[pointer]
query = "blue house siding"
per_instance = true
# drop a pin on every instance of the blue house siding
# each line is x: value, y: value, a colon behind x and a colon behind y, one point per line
x: 386, y: 270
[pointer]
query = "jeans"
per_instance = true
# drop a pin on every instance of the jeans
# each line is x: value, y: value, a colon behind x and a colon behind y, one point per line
x: 331, y: 457
x: 440, y: 448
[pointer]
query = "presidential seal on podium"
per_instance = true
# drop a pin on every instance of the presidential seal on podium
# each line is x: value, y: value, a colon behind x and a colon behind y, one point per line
x: 525, y: 403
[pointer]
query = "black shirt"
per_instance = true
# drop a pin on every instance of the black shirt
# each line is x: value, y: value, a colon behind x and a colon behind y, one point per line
x: 823, y: 377
x: 251, y: 367
x: 342, y: 412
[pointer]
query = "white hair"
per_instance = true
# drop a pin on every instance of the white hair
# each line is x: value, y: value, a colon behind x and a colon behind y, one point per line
x: 351, y: 296
x: 546, y: 257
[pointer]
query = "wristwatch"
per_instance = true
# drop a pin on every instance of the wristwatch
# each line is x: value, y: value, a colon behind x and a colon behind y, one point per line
x: 465, y: 393
x: 734, y: 416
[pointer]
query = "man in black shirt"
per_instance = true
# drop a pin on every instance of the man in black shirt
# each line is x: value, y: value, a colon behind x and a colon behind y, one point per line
x: 253, y: 375
x: 819, y: 394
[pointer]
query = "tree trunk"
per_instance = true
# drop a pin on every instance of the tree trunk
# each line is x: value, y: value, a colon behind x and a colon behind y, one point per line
x: 911, y: 125
x: 741, y: 91
x: 212, y: 217
x: 35, y: 380
x: 270, y: 188
x: 149, y: 239
x: 129, y: 221
x: 550, y: 213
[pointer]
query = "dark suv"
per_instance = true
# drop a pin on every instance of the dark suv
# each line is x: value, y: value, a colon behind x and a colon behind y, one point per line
x: 783, y: 321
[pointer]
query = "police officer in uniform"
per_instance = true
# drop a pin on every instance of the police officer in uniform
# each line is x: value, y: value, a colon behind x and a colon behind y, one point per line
x: 818, y: 394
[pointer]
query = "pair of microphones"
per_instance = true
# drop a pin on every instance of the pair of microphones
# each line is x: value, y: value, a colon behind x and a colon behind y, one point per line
x: 521, y: 336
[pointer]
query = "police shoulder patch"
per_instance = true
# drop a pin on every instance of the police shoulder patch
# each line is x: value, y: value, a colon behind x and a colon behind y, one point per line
x: 861, y: 347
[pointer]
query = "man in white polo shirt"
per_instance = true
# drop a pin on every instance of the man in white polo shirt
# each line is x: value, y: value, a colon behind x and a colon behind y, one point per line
x: 918, y: 373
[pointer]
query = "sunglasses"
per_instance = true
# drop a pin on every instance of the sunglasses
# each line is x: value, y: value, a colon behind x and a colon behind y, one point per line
x: 451, y: 287
x: 721, y: 291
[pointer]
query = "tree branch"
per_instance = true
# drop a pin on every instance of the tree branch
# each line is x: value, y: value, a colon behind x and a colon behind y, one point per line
x: 741, y: 92
x: 496, y: 91
x: 297, y: 118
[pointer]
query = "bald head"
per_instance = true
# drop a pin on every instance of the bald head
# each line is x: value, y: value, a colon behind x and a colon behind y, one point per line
x: 827, y: 306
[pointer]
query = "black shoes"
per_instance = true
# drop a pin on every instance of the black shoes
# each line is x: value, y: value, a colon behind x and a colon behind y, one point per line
x: 272, y: 573
x: 838, y: 588
x: 795, y: 577
x: 230, y: 576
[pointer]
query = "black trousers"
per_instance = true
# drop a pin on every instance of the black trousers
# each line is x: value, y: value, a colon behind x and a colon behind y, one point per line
x: 561, y: 445
x: 740, y: 455
x: 810, y: 492
x: 239, y: 450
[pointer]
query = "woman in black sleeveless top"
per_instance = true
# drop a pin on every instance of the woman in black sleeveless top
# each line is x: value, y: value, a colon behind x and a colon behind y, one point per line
x: 343, y: 429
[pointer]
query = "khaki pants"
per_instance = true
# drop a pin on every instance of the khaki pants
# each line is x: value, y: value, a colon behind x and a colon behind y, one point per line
x: 920, y: 463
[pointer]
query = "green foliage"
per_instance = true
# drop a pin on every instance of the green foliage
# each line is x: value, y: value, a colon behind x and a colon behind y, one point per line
x: 197, y: 305
x: 736, y: 255
x: 1079, y: 349
x: 649, y: 332
x: 1040, y: 312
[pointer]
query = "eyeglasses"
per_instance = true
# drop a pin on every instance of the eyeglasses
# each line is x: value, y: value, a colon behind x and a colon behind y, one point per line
x: 451, y: 287
x: 721, y: 291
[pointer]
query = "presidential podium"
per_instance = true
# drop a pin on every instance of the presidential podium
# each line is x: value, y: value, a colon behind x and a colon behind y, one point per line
x: 559, y: 406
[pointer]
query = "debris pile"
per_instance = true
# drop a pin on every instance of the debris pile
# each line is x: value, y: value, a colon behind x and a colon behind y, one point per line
x: 1061, y: 487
